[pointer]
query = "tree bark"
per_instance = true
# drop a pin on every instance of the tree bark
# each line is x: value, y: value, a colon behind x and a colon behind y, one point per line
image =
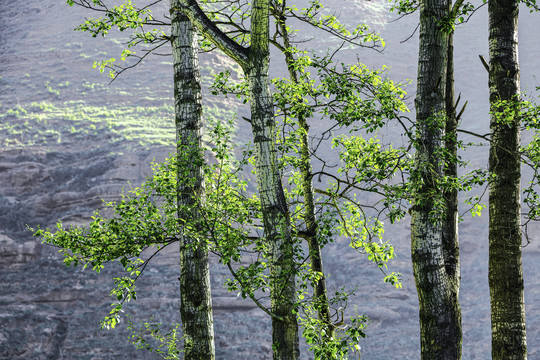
x: 195, y: 296
x: 273, y: 202
x: 450, y: 224
x: 440, y: 317
x: 505, y: 266
x: 450, y: 233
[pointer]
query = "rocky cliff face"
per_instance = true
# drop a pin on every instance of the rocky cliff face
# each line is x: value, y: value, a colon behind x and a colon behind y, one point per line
x: 53, y: 312
x: 68, y: 142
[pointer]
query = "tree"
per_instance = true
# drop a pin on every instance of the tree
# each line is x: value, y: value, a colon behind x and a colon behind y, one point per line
x: 321, y: 303
x: 505, y: 237
x: 435, y: 183
x: 352, y: 97
x: 152, y: 216
x: 196, y: 305
x: 450, y: 233
x: 440, y: 317
x: 273, y: 203
x: 196, y: 300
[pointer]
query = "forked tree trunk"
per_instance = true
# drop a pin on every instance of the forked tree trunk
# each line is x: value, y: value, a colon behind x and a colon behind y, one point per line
x: 273, y: 202
x: 195, y: 296
x: 505, y: 269
x: 440, y: 325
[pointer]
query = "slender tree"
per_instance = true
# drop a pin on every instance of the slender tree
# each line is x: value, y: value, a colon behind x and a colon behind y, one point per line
x: 440, y: 319
x: 505, y: 265
x: 450, y: 233
x: 450, y: 220
x: 314, y: 248
x: 195, y: 295
x: 196, y: 305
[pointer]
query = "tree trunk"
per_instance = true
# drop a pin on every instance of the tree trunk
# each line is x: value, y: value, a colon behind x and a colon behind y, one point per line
x: 314, y: 248
x: 450, y: 234
x: 195, y: 297
x: 274, y: 205
x: 450, y: 223
x: 440, y: 318
x: 505, y: 269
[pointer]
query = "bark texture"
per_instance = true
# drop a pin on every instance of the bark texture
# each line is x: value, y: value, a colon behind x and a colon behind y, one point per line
x: 195, y: 296
x: 505, y: 266
x: 450, y: 223
x: 274, y: 205
x: 433, y: 253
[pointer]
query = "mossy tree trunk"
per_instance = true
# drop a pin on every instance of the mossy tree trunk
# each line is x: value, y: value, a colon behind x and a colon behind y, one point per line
x: 432, y: 249
x: 273, y: 202
x: 505, y: 267
x: 195, y: 295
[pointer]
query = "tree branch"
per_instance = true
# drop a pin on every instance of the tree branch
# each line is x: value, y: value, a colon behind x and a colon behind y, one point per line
x: 252, y: 296
x: 209, y: 30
